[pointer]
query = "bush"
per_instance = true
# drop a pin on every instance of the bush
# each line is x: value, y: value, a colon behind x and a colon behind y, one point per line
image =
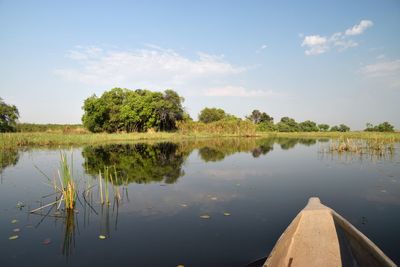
x: 208, y: 115
x: 226, y: 126
x: 383, y: 127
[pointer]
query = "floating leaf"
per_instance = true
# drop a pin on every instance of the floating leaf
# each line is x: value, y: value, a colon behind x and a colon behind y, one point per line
x: 46, y: 241
x: 13, y: 237
x: 14, y: 221
x: 227, y: 214
x: 205, y: 216
x: 16, y: 230
x: 20, y: 204
x: 102, y: 236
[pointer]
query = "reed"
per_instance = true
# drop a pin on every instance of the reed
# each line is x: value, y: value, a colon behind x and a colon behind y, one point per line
x: 377, y: 146
x: 67, y: 186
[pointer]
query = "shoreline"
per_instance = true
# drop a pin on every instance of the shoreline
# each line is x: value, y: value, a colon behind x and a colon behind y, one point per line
x: 51, y: 139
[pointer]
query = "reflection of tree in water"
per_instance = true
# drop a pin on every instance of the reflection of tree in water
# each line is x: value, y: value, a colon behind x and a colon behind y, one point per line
x: 210, y: 154
x: 264, y: 148
x: 288, y: 143
x: 139, y: 163
x: 8, y: 158
x: 218, y: 150
x: 307, y: 142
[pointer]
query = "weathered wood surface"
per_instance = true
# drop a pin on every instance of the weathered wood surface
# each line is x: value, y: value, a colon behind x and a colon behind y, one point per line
x: 318, y: 236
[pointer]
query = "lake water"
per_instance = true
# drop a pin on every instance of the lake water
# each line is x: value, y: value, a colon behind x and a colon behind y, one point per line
x: 246, y: 190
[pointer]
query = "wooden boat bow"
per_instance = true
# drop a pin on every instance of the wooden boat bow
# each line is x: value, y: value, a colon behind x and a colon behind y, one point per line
x: 319, y: 236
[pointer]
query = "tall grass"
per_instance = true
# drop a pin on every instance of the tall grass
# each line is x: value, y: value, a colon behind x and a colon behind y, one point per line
x: 67, y: 186
x: 223, y: 127
x: 186, y: 131
x: 375, y: 147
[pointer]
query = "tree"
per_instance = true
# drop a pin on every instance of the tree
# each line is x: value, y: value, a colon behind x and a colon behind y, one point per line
x: 308, y: 126
x: 287, y: 125
x: 335, y: 128
x: 259, y: 117
x: 383, y: 127
x: 208, y: 115
x: 344, y: 128
x: 340, y: 128
x: 323, y: 127
x: 8, y: 117
x: 126, y: 110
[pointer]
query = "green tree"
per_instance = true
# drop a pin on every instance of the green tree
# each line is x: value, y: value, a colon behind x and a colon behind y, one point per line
x: 383, y: 127
x: 344, y: 128
x: 8, y: 117
x: 323, y: 127
x: 259, y: 117
x: 287, y: 125
x: 334, y: 128
x: 208, y: 115
x: 340, y: 128
x: 126, y: 110
x: 308, y: 126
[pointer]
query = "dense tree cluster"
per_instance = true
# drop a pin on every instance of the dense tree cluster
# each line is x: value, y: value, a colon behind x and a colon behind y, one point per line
x: 126, y: 110
x: 266, y: 123
x: 8, y: 117
x: 383, y: 127
x: 208, y: 115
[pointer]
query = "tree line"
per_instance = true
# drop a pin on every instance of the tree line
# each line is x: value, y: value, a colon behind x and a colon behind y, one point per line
x: 125, y: 110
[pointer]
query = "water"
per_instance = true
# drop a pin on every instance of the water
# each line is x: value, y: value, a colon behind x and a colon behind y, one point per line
x: 165, y: 188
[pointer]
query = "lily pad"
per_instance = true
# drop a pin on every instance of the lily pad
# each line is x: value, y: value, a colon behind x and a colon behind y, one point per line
x: 20, y: 204
x: 13, y: 237
x: 205, y: 216
x: 227, y: 214
x: 14, y: 221
x: 102, y: 237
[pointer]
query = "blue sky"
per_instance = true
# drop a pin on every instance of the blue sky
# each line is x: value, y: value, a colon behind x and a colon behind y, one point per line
x: 327, y: 61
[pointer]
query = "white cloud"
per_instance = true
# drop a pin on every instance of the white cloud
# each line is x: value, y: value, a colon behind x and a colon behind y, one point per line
x: 316, y: 44
x: 156, y: 68
x: 359, y: 28
x: 262, y: 47
x: 382, y: 69
x: 237, y: 91
x: 386, y: 72
x: 153, y: 68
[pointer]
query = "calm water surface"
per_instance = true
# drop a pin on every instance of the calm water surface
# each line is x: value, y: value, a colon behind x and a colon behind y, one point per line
x: 251, y: 189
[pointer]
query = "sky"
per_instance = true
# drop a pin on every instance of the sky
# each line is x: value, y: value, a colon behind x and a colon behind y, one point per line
x: 327, y: 61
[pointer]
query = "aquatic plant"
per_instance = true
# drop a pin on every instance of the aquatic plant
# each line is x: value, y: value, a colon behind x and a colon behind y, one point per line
x: 67, y: 186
